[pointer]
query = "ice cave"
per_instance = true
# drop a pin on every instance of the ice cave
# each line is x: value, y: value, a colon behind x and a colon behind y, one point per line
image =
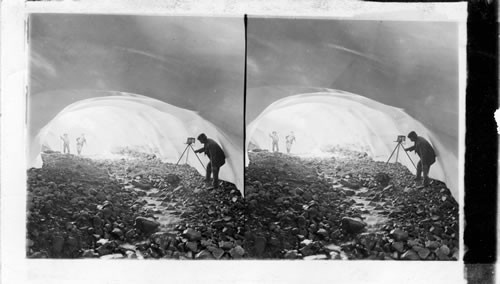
x: 138, y: 122
x: 333, y: 117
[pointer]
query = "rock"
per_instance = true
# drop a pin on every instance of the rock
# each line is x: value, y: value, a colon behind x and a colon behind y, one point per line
x: 89, y: 253
x: 350, y: 183
x: 399, y: 235
x: 226, y: 245
x: 333, y: 247
x: 441, y: 256
x: 207, y: 243
x: 113, y: 256
x: 146, y: 225
x: 410, y: 255
x: 100, y: 196
x: 291, y: 254
x: 260, y: 245
x: 322, y: 232
x: 72, y: 242
x: 307, y: 250
x: 444, y: 250
x: 432, y: 245
x: 316, y: 257
x: 97, y: 221
x: 389, y: 187
x: 130, y: 234
x: 398, y: 246
x: 382, y: 178
x: 349, y: 192
x: 117, y: 232
x: 192, y: 246
x: 335, y: 255
x: 39, y: 254
x: 191, y: 234
x: 423, y: 253
x: 104, y: 250
x: 352, y: 225
x: 204, y: 254
x: 163, y: 239
x: 412, y: 243
x: 173, y: 179
x: 217, y: 252
x: 237, y: 252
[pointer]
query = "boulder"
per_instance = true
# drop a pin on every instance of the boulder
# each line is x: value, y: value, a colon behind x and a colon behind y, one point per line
x: 191, y: 234
x: 349, y: 192
x: 226, y: 245
x: 216, y: 252
x: 89, y: 253
x: 398, y: 246
x: 117, y: 232
x: 322, y: 232
x: 204, y: 254
x: 146, y: 225
x: 423, y: 253
x: 352, y: 225
x: 410, y: 255
x: 291, y: 254
x: 173, y: 179
x: 399, y: 235
x: 237, y: 252
x: 192, y: 246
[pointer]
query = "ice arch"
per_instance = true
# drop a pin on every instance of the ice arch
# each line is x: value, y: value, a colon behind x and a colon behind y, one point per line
x: 136, y: 121
x: 337, y: 117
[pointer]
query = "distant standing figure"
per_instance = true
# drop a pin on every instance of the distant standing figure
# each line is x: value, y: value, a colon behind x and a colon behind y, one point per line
x: 216, y: 156
x: 65, y: 140
x: 426, y: 153
x: 275, y: 139
x: 80, y: 141
x: 290, y: 139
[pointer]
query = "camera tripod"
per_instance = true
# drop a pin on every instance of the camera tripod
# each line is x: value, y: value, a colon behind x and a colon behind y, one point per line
x: 186, y: 151
x: 396, y: 150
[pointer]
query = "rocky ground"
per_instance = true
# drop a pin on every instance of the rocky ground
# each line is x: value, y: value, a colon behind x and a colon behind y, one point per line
x: 136, y: 207
x: 344, y: 207
x: 349, y: 207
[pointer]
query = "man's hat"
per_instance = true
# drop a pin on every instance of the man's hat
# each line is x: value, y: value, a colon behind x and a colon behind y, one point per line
x: 412, y: 134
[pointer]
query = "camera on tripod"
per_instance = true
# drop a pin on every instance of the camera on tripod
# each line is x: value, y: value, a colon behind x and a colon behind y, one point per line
x: 189, y: 145
x: 400, y: 140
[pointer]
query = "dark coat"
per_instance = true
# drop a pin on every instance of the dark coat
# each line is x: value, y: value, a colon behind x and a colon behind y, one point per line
x: 214, y: 153
x: 424, y: 150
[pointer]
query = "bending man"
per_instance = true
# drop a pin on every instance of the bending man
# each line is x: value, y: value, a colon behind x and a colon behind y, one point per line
x: 216, y: 156
x: 426, y: 153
